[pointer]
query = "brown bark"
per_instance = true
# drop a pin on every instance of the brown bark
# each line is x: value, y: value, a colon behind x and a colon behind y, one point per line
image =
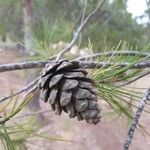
x: 34, y: 104
x: 27, y: 10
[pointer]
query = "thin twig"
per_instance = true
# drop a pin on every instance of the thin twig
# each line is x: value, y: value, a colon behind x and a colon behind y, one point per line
x: 115, y: 53
x: 24, y: 89
x: 135, y: 79
x: 136, y: 120
x: 84, y: 64
x: 79, y: 30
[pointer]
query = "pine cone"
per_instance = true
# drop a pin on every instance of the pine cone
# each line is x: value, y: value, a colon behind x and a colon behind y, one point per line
x: 65, y: 86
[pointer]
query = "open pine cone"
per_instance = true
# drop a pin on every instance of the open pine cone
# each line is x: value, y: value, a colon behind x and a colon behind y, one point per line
x: 65, y: 86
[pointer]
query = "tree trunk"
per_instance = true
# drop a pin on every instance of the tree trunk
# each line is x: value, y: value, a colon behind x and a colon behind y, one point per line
x: 34, y: 104
x: 27, y: 10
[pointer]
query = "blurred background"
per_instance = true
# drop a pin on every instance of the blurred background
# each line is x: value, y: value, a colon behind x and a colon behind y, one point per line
x: 36, y: 30
x: 118, y: 20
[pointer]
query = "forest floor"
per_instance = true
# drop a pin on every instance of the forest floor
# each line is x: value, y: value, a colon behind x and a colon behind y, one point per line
x: 109, y: 134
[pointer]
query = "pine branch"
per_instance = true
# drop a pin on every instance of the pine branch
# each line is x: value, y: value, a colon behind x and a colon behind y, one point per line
x: 21, y: 66
x: 84, y: 64
x: 79, y: 30
x: 40, y: 64
x: 115, y: 53
x: 136, y: 120
x: 97, y: 65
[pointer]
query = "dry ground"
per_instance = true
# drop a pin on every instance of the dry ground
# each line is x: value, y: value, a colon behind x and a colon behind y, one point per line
x: 107, y: 135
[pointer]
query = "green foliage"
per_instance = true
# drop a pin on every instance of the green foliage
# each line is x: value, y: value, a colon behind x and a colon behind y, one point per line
x: 5, y: 132
x: 47, y: 35
x: 120, y: 99
x: 112, y: 29
x: 16, y: 131
x: 110, y: 25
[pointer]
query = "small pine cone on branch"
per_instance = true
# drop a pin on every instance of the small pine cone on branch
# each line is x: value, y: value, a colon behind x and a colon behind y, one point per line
x: 67, y: 88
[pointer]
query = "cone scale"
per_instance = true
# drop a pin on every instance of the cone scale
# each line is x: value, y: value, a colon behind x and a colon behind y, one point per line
x: 66, y: 87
